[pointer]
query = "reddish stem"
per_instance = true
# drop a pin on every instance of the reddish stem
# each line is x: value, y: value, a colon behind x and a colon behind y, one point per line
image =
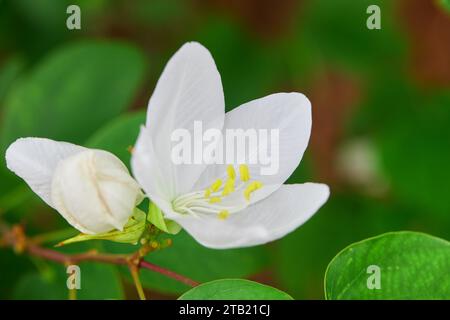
x: 150, y: 266
x: 16, y: 239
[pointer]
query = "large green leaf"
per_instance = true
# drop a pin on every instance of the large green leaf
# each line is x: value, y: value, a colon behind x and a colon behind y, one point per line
x: 73, y: 92
x: 234, y: 289
x: 409, y: 265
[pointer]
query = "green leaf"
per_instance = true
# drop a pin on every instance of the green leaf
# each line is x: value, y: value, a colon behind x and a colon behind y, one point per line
x: 156, y: 217
x: 234, y: 289
x: 411, y: 266
x: 73, y: 91
x: 119, y: 135
x: 131, y: 232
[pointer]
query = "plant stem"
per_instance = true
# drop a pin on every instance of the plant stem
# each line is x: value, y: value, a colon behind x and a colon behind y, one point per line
x: 150, y: 266
x: 15, y: 238
x: 137, y: 282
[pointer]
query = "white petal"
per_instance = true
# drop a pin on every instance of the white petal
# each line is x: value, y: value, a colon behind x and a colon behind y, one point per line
x: 189, y: 89
x: 290, y: 113
x: 94, y: 192
x: 35, y: 160
x: 270, y: 219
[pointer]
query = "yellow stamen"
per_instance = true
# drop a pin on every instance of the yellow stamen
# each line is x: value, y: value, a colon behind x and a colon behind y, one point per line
x: 251, y: 187
x: 244, y: 172
x: 222, y: 215
x: 215, y: 199
x: 216, y: 185
x: 229, y: 187
x: 231, y: 173
x: 207, y: 193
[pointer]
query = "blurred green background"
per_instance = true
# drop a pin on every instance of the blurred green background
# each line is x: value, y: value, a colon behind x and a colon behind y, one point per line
x: 381, y: 119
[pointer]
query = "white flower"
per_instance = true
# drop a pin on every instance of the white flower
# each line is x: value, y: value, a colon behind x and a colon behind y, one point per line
x: 219, y: 209
x: 91, y: 189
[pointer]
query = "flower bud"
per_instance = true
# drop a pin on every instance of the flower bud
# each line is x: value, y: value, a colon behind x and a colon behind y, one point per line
x: 94, y: 191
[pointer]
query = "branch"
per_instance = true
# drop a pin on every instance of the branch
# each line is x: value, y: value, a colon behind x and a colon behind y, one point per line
x: 150, y: 266
x: 15, y: 238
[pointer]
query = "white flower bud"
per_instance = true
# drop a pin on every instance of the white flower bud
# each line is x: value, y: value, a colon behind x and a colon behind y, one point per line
x: 94, y: 191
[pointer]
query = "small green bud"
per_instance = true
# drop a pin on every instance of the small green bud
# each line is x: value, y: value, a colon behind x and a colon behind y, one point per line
x: 156, y: 218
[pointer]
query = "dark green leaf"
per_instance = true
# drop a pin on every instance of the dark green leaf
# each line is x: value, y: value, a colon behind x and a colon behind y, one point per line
x: 410, y: 265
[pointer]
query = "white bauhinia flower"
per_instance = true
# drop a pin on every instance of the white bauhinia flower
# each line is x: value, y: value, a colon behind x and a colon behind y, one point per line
x: 223, y: 206
x: 92, y: 189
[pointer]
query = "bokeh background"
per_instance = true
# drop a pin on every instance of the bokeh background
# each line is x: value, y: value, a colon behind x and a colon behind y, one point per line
x: 381, y: 119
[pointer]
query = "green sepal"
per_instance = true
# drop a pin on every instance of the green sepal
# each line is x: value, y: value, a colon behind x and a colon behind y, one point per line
x: 155, y: 217
x: 131, y: 232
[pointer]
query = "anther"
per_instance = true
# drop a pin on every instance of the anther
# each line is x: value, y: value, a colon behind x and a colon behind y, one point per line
x: 222, y: 215
x: 244, y: 172
x: 230, y: 171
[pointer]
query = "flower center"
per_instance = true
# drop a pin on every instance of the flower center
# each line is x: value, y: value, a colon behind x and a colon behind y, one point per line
x: 221, y: 198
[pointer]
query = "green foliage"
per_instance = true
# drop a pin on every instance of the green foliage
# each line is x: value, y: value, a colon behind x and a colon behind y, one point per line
x: 412, y: 266
x: 8, y: 73
x: 73, y: 91
x: 335, y: 32
x: 247, y: 73
x: 12, y: 267
x: 119, y: 135
x: 192, y: 260
x: 409, y: 127
x: 445, y: 4
x: 98, y: 281
x: 54, y: 85
x: 301, y: 258
x: 234, y: 289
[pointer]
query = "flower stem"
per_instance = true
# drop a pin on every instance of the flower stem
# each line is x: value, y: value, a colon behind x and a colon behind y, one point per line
x: 15, y: 238
x: 150, y: 266
x: 137, y: 282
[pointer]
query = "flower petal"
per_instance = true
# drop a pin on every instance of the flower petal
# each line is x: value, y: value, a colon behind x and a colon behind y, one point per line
x: 94, y: 192
x: 290, y: 113
x: 270, y: 219
x: 35, y: 160
x: 189, y: 90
